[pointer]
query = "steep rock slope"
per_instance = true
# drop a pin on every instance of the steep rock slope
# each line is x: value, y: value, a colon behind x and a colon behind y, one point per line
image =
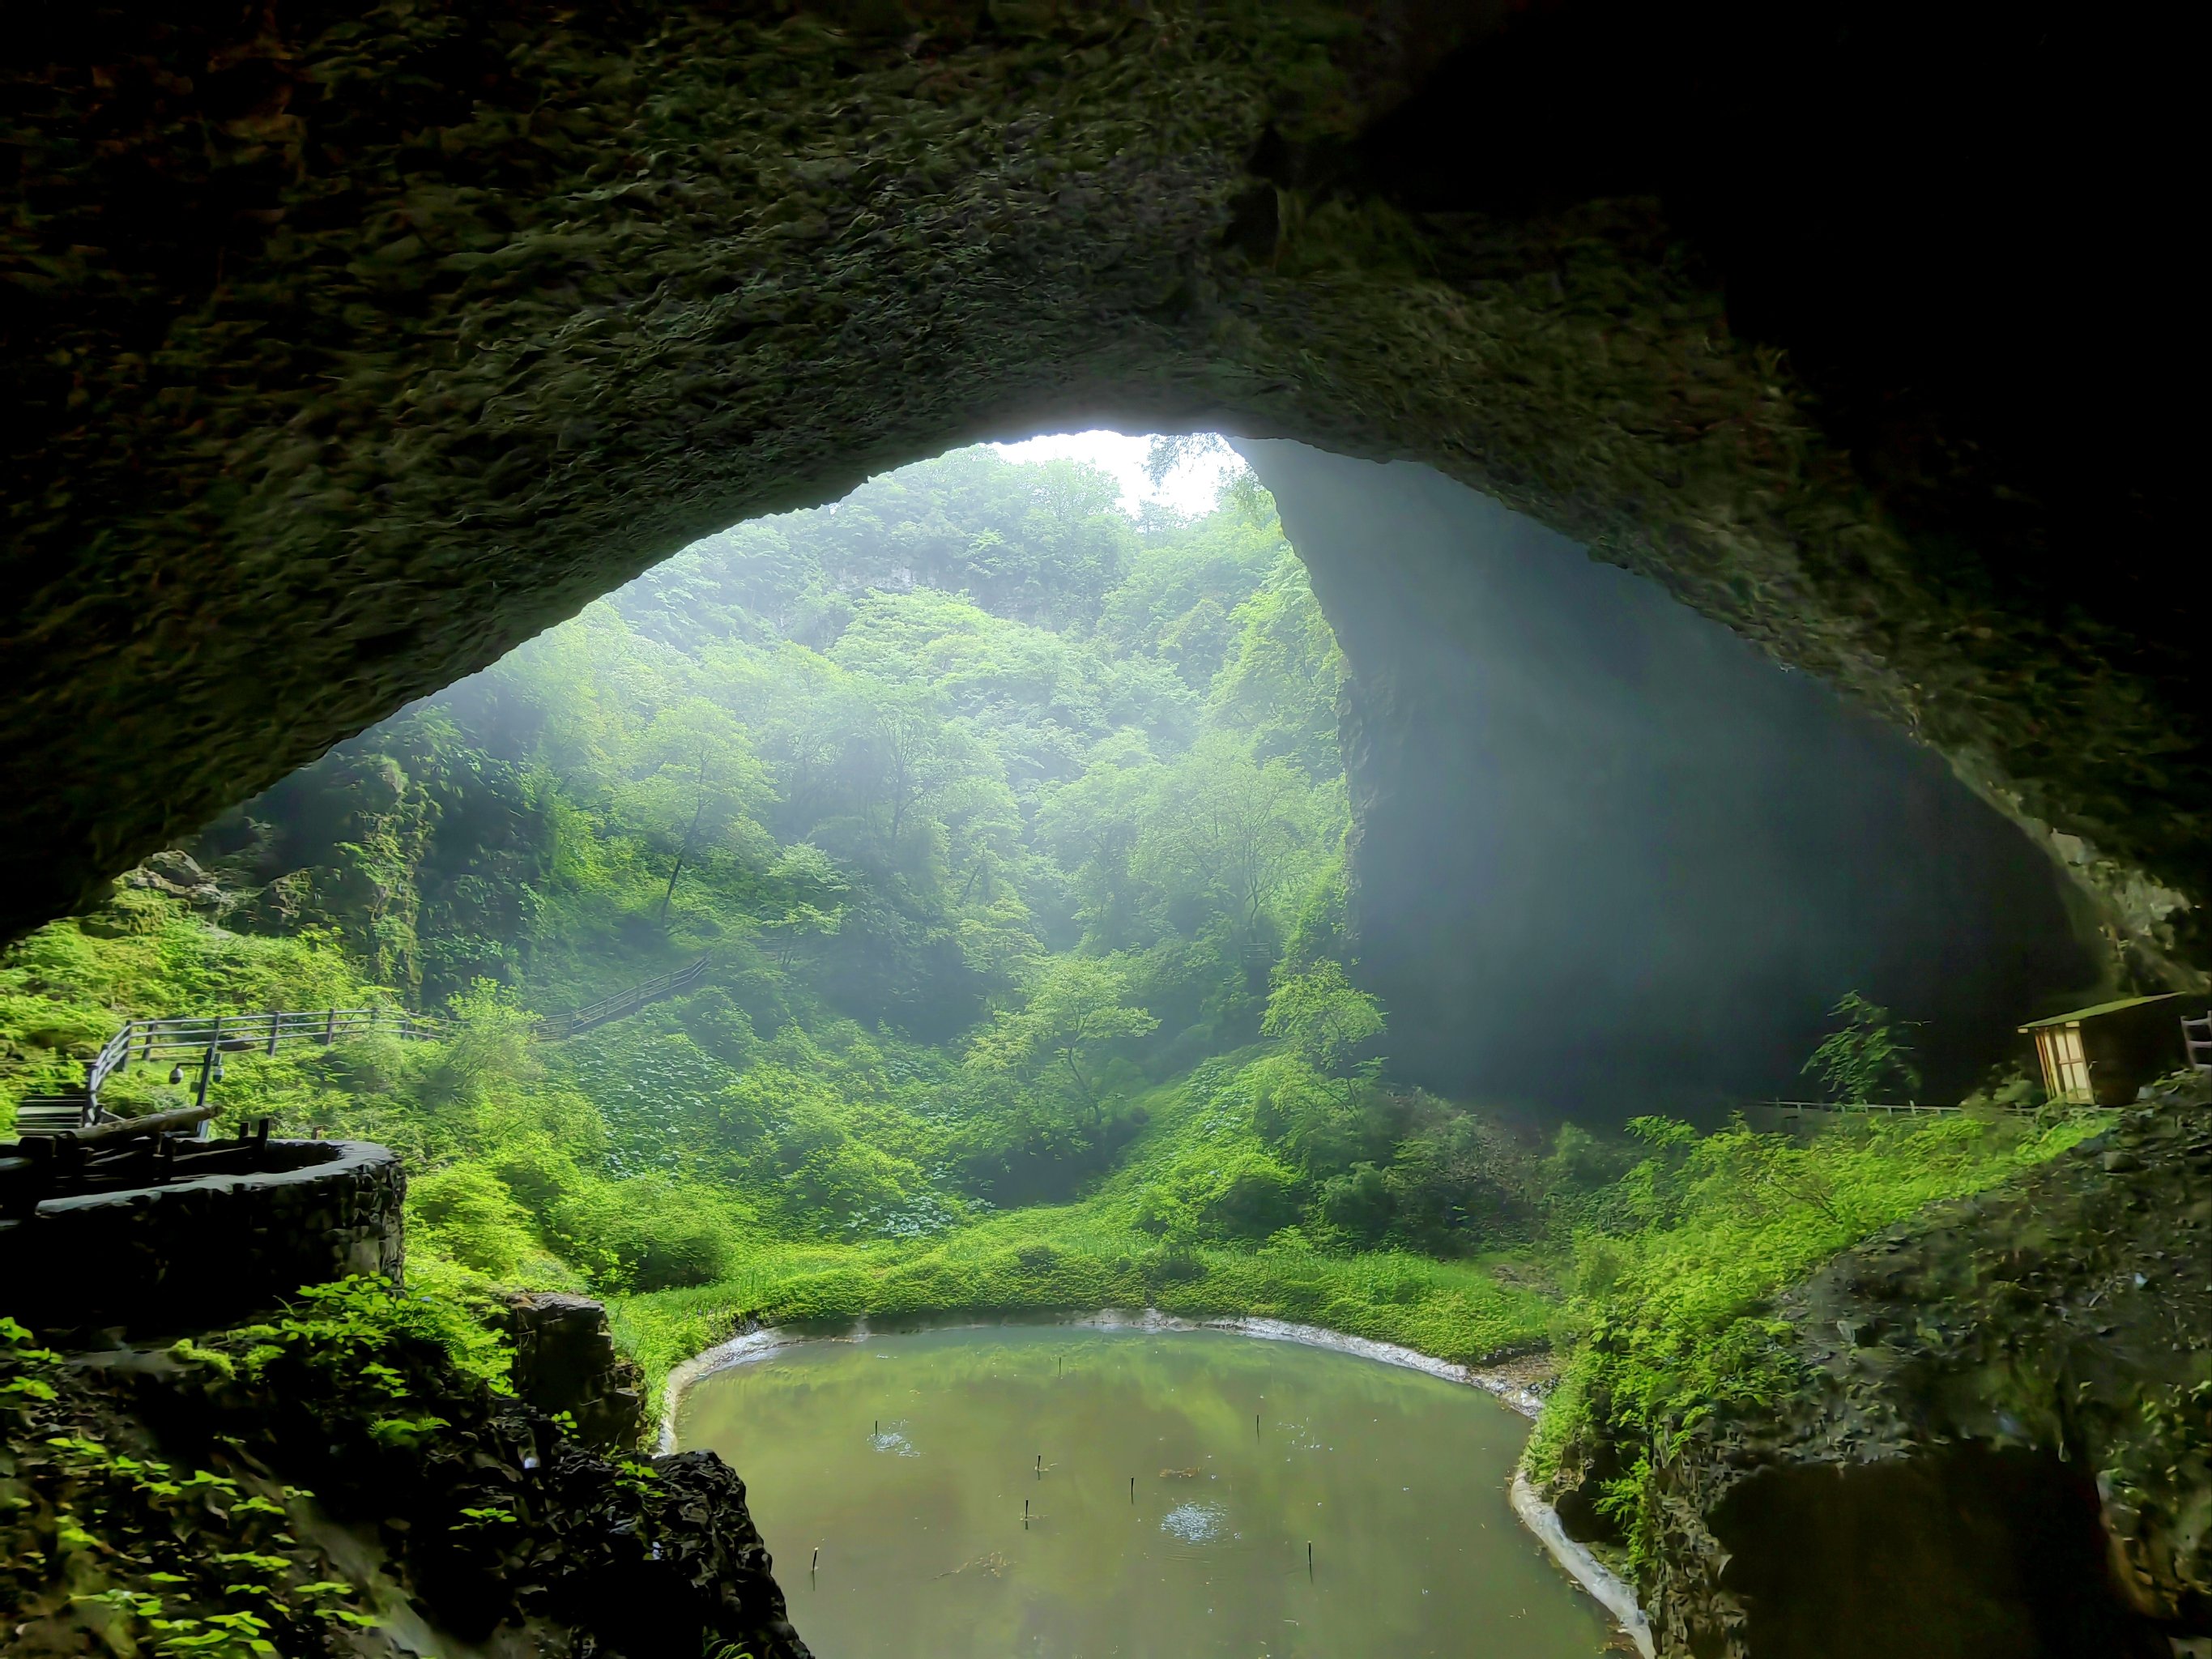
x: 338, y: 1484
x: 1604, y: 852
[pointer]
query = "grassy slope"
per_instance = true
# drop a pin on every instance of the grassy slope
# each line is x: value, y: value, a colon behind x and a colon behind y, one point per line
x: 1091, y: 1254
x: 1668, y: 1318
x: 1667, y: 1272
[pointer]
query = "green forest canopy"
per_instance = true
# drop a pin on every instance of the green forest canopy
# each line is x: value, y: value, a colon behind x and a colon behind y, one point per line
x: 990, y: 808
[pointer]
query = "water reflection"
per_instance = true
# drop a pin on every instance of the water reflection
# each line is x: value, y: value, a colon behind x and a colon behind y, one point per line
x: 1073, y: 1493
x: 1080, y: 1494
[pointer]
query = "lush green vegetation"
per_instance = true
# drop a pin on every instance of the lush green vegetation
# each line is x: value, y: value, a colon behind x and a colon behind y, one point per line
x: 1670, y: 1271
x: 144, y: 1555
x: 995, y: 816
x: 1013, y: 834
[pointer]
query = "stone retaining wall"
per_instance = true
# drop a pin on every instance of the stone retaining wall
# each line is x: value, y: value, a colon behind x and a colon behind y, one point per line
x: 210, y: 1250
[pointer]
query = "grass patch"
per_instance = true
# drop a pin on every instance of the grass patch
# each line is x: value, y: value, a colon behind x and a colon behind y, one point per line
x: 1067, y: 1258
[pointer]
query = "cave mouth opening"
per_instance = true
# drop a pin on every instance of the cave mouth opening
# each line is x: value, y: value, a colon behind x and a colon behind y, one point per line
x: 354, y: 356
x: 1602, y: 856
x: 1000, y: 783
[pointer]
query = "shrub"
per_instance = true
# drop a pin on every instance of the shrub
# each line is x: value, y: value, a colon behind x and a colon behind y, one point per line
x: 466, y: 1211
x: 648, y: 1234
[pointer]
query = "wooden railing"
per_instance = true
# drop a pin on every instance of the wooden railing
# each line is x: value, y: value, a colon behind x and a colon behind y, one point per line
x: 196, y: 1035
x: 1874, y: 1106
x: 2196, y: 1040
x: 554, y: 1028
x: 1881, y: 1108
x: 206, y: 1038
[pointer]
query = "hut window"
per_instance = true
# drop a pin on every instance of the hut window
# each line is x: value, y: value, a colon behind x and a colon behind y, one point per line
x: 2065, y: 1067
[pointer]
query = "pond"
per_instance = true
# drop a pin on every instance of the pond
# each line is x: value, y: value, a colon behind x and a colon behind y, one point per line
x: 1076, y: 1492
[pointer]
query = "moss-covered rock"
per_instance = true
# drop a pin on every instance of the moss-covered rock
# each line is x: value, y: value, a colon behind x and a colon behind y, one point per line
x: 344, y: 1482
x: 2001, y: 1440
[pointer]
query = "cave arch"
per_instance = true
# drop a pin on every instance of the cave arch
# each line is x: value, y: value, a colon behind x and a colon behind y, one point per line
x: 353, y: 345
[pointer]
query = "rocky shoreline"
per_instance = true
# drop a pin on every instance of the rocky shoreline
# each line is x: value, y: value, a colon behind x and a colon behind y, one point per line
x: 2002, y: 1444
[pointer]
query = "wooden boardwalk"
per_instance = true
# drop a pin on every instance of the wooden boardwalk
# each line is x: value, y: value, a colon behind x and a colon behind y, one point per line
x: 203, y: 1040
x: 556, y: 1028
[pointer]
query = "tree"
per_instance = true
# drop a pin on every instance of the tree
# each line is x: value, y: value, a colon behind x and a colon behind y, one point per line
x: 1230, y: 835
x: 1856, y: 1061
x: 905, y: 741
x: 693, y: 779
x: 1079, y: 1008
x: 1091, y: 825
x: 489, y: 1051
x: 1043, y: 542
x: 1280, y: 681
x: 1176, y: 601
x: 806, y: 896
x: 1322, y: 1015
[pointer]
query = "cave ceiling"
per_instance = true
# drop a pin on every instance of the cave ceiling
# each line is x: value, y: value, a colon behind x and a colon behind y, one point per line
x: 349, y: 345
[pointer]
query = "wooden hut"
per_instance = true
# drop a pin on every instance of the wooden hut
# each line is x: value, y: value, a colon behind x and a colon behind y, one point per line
x: 2101, y: 1056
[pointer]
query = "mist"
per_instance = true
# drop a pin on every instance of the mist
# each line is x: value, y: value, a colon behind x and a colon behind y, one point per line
x: 1607, y: 857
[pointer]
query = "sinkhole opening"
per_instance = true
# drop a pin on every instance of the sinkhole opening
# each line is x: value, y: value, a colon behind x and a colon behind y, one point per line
x: 1110, y: 870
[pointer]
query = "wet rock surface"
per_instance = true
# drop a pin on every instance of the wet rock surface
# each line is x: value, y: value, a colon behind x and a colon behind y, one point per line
x: 565, y: 1360
x: 481, y: 1526
x: 352, y: 345
x: 2003, y: 1443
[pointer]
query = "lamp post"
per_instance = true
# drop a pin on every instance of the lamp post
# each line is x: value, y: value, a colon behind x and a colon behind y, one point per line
x: 210, y: 1068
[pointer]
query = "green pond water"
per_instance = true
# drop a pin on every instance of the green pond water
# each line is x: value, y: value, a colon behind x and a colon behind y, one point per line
x: 907, y: 1462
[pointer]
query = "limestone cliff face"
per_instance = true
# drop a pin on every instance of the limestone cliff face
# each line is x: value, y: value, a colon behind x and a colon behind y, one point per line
x: 2003, y: 1445
x: 425, y: 860
x: 1606, y: 856
x: 350, y: 344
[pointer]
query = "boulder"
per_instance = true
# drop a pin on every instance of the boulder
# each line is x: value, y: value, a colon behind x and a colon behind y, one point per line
x: 2001, y: 1447
x: 565, y: 1360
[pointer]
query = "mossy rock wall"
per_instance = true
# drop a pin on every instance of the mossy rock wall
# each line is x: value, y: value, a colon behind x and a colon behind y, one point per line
x: 2002, y: 1442
x: 350, y: 345
x: 328, y: 1492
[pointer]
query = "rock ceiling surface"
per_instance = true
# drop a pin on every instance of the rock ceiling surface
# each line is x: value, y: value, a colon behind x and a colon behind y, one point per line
x: 349, y: 345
